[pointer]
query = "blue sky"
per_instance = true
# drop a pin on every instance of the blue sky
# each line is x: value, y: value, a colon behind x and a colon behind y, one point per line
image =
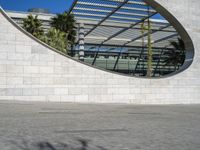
x: 55, y: 6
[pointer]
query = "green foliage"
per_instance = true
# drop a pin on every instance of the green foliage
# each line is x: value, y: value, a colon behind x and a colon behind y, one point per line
x: 66, y: 23
x: 33, y: 25
x: 56, y: 39
x: 176, y: 56
x: 60, y: 36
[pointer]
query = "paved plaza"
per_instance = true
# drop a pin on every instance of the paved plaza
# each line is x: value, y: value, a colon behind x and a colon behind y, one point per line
x: 61, y: 126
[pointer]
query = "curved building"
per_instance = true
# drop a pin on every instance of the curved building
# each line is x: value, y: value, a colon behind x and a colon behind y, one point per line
x: 120, y: 56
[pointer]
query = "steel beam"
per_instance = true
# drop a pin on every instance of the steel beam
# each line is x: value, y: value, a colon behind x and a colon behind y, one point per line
x: 99, y: 15
x: 130, y: 2
x: 96, y: 54
x: 127, y: 46
x: 125, y: 29
x: 72, y: 6
x: 104, y: 19
x: 165, y: 38
x: 119, y: 54
x: 152, y: 32
x: 113, y: 6
x: 158, y: 63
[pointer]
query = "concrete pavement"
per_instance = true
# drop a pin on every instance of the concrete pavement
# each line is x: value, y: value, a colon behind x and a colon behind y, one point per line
x: 32, y: 125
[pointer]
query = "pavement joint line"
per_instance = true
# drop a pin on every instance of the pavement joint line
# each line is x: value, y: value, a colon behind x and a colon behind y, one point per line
x: 99, y: 130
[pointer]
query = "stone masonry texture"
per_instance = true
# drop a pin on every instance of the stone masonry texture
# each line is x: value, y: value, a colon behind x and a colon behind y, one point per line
x: 30, y: 71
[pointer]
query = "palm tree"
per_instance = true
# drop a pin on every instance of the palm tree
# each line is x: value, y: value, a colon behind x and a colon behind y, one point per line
x: 56, y: 39
x: 149, y: 46
x: 142, y: 32
x: 176, y: 56
x: 149, y: 57
x: 66, y: 23
x: 33, y: 25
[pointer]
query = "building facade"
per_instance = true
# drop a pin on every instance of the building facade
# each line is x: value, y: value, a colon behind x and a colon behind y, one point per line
x: 33, y: 71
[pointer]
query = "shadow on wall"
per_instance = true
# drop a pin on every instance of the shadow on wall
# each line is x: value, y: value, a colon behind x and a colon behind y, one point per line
x: 45, y: 145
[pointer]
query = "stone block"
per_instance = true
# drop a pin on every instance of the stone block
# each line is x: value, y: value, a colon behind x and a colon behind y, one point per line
x: 8, y: 37
x: 38, y: 98
x: 100, y: 91
x: 30, y: 92
x: 61, y: 81
x: 53, y: 98
x: 46, y: 91
x: 3, y: 56
x: 31, y: 80
x: 3, y: 91
x: 88, y: 90
x: 23, y: 49
x: 7, y: 98
x: 3, y: 29
x: 23, y: 63
x: 14, y: 92
x: 92, y: 98
x: 38, y: 63
x: 67, y: 98
x: 37, y: 49
x: 8, y: 48
x: 81, y: 98
x: 21, y: 38
x: 31, y: 69
x: 46, y: 57
x: 75, y: 91
x: 15, y: 56
x: 14, y: 69
x: 33, y: 58
x: 30, y: 98
x: 14, y: 80
x: 47, y: 70
x: 46, y: 81
x: 2, y: 80
x: 2, y: 68
x: 61, y: 91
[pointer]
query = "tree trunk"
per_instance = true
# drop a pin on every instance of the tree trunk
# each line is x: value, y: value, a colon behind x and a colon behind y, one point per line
x: 149, y: 62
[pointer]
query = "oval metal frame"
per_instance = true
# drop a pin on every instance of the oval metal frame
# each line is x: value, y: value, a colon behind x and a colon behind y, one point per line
x: 190, y: 51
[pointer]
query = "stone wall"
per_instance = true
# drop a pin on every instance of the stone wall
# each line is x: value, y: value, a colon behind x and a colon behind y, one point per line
x: 30, y: 71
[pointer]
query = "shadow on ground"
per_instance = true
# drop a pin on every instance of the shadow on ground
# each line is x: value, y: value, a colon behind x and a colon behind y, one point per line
x: 45, y: 145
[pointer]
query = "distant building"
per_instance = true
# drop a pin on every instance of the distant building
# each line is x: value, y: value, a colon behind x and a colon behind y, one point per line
x: 39, y: 10
x: 44, y: 17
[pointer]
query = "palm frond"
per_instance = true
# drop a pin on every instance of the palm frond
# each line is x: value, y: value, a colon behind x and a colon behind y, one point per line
x: 66, y: 23
x: 176, y: 56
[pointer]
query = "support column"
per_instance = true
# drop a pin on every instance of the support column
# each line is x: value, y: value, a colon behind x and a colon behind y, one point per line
x: 81, y: 41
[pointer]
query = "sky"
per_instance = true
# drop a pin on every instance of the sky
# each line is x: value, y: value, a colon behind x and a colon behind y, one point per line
x: 55, y: 6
